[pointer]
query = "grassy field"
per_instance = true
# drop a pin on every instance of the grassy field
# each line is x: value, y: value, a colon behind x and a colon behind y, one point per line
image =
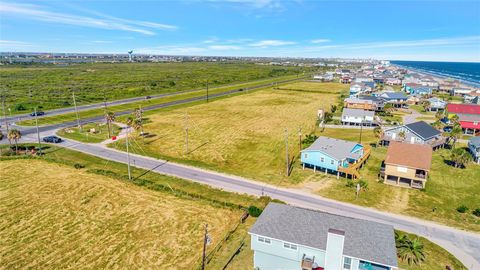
x: 50, y: 86
x: 234, y: 134
x: 245, y: 135
x: 67, y: 117
x: 84, y: 135
x: 436, y: 258
x: 60, y: 217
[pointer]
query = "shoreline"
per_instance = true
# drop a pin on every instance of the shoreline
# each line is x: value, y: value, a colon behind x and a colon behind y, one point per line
x: 442, y: 76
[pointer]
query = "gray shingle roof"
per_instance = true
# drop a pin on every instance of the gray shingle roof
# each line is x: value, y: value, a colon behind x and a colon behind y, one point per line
x: 475, y: 141
x: 422, y: 129
x: 336, y: 148
x: 394, y: 95
x: 367, y: 240
x: 357, y: 112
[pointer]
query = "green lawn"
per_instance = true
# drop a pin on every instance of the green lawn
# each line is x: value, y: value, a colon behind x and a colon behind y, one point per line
x: 90, y: 133
x: 50, y: 86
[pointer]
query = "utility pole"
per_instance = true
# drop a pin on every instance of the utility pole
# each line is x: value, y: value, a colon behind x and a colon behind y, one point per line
x: 207, y: 90
x: 76, y: 111
x: 300, y: 139
x: 128, y: 155
x: 5, y: 118
x: 186, y: 132
x: 38, y: 132
x: 286, y: 151
x: 361, y: 129
x: 205, y: 242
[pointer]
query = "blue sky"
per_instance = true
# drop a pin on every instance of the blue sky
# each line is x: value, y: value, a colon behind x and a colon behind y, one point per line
x: 407, y: 30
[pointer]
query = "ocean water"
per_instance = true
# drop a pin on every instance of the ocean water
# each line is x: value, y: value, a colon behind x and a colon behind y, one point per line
x: 466, y: 72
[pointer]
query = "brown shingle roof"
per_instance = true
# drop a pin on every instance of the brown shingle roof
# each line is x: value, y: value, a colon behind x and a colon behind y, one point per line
x: 409, y: 155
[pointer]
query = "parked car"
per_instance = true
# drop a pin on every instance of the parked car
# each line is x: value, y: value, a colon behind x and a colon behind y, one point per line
x: 448, y: 129
x: 40, y: 113
x: 148, y: 97
x: 52, y: 139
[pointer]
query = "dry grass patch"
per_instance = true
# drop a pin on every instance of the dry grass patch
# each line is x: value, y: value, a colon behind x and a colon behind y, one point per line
x: 53, y: 216
x: 243, y: 135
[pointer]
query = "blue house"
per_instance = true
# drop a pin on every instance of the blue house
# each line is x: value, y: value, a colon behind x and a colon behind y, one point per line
x: 292, y: 238
x: 420, y: 90
x: 398, y: 99
x: 334, y: 155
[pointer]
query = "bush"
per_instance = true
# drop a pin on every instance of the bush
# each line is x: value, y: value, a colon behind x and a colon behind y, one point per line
x: 476, y: 212
x: 350, y: 183
x: 363, y: 184
x: 254, y: 211
x: 462, y: 209
x: 78, y: 166
x: 19, y: 107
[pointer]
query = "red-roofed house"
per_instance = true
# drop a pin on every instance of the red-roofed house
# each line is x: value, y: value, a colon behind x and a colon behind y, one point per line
x: 468, y: 116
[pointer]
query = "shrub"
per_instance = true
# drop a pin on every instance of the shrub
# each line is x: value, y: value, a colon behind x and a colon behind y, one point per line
x: 363, y: 184
x: 476, y: 212
x: 254, y: 211
x: 19, y: 107
x: 350, y: 183
x: 462, y: 209
x: 78, y: 166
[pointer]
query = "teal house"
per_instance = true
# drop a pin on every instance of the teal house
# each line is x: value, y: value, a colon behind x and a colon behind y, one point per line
x: 292, y: 238
x: 334, y: 156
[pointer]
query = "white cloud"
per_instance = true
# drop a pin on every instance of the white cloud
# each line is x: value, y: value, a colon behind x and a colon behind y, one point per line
x: 35, y: 12
x: 224, y: 47
x: 172, y: 50
x: 322, y: 40
x: 101, y: 41
x: 417, y: 43
x: 271, y: 43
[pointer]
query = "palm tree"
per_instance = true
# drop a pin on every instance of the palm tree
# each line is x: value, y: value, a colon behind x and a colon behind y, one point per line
x: 455, y: 134
x: 410, y: 250
x: 426, y: 105
x: 110, y: 117
x: 439, y: 115
x: 378, y: 132
x: 15, y: 135
x: 138, y: 113
x: 460, y: 157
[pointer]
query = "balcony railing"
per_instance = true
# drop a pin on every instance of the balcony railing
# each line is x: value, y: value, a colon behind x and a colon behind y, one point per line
x: 421, y: 176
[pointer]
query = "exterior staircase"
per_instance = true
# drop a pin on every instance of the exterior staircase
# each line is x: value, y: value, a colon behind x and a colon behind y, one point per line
x: 353, y: 168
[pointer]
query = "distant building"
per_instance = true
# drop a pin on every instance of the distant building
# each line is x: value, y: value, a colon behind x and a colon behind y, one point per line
x: 293, y: 238
x: 398, y: 99
x: 358, y: 117
x: 436, y: 104
x: 370, y: 103
x: 393, y: 81
x: 407, y: 165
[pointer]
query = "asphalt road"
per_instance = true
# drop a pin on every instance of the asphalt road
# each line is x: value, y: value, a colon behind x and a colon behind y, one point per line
x: 27, y: 116
x: 464, y: 245
x: 30, y: 130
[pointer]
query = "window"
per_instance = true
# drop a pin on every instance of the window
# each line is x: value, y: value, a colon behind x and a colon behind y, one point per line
x: 264, y: 240
x: 306, y: 155
x: 290, y: 246
x: 402, y: 169
x: 347, y: 263
x: 322, y: 159
x: 331, y: 162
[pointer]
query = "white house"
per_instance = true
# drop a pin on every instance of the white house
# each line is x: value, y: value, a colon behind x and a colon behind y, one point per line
x: 358, y: 117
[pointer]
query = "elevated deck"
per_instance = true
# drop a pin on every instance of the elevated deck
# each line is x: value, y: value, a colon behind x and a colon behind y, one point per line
x: 353, y: 168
